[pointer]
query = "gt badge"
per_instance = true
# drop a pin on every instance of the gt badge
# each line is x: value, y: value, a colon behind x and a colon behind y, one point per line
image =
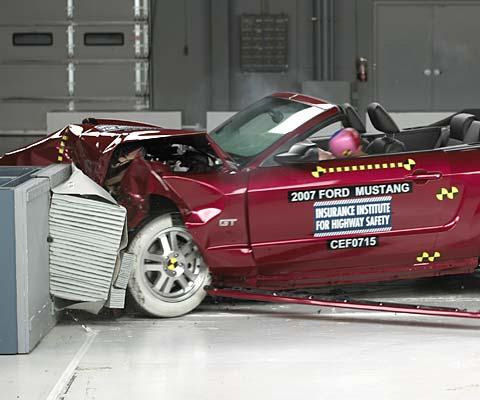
x: 227, y: 222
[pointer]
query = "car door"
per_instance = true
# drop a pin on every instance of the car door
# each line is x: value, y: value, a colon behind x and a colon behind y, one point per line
x: 345, y: 220
x: 459, y: 201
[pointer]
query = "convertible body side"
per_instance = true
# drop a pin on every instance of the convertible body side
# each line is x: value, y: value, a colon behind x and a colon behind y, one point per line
x: 253, y: 232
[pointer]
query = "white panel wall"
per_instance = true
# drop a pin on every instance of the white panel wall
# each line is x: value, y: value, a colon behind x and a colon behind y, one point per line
x: 215, y: 118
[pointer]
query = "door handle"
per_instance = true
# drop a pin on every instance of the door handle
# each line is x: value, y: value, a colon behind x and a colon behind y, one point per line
x: 421, y: 176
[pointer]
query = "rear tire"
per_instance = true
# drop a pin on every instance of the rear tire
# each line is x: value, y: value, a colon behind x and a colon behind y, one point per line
x: 169, y: 274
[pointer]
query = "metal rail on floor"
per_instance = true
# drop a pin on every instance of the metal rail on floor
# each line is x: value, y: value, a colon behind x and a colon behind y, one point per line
x: 274, y: 297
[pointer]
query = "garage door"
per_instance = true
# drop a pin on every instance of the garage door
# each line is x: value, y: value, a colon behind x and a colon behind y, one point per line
x: 71, y: 55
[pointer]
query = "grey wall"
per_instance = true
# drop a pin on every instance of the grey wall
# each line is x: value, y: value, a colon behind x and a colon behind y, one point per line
x: 248, y: 87
x: 195, y: 56
x: 181, y: 57
x: 355, y: 36
x: 16, y: 141
x: 209, y: 76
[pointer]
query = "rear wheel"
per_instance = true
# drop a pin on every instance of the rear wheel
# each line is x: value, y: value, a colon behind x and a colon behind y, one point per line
x: 169, y: 272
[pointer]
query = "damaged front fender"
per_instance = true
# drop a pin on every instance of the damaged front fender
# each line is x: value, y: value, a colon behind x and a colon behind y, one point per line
x: 150, y: 170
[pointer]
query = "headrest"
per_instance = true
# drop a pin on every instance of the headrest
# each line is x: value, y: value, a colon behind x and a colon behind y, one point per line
x: 459, y: 125
x: 353, y: 118
x: 473, y: 133
x: 381, y: 120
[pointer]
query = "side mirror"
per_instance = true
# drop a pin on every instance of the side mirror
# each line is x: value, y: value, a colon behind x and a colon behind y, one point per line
x: 299, y: 153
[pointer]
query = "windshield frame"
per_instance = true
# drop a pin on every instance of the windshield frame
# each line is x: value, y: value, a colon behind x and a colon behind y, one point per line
x: 325, y: 111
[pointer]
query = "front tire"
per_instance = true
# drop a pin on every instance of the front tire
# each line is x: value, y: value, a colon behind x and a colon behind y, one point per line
x: 169, y: 274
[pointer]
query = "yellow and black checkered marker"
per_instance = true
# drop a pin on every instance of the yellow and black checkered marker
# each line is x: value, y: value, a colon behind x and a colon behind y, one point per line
x: 446, y: 193
x: 424, y: 257
x: 408, y: 165
x: 172, y: 264
x: 61, y: 149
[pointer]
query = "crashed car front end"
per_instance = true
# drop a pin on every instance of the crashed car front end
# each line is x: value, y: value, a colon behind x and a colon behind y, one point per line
x: 128, y: 160
x: 149, y: 170
x: 184, y: 192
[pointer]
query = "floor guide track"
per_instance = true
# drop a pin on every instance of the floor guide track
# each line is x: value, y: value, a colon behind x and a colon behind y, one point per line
x: 309, y: 300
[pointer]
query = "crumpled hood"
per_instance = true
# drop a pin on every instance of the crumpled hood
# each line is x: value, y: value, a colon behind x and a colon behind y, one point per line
x: 89, y: 146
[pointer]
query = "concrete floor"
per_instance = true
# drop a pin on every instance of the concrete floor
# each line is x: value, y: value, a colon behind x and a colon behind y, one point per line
x: 253, y: 351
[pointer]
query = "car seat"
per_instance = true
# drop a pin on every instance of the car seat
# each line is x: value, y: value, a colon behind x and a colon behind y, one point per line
x: 473, y: 133
x: 443, y: 138
x: 353, y: 118
x: 459, y: 130
x: 383, y: 122
x: 355, y: 122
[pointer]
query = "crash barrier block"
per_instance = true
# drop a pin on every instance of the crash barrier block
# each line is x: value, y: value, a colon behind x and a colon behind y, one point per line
x: 26, y: 310
x: 88, y: 233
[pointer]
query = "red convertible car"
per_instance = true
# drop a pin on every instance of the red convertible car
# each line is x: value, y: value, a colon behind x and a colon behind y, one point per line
x: 249, y: 205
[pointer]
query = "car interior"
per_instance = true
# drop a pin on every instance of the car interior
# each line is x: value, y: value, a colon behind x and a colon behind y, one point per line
x: 458, y: 129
